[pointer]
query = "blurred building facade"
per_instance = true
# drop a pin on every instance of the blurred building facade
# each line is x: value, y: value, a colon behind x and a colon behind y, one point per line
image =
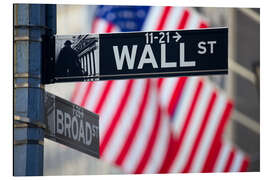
x: 242, y: 85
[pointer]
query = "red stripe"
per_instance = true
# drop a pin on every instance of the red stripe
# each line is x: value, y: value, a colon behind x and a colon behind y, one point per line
x: 116, y: 116
x: 244, y: 166
x: 177, y: 144
x: 211, y: 157
x: 160, y: 82
x: 94, y: 24
x: 149, y: 148
x: 229, y: 161
x: 169, y: 154
x: 109, y: 28
x: 86, y: 94
x: 104, y: 96
x: 75, y: 92
x: 136, y: 123
x: 176, y: 94
x: 163, y: 17
x: 203, y: 24
x: 183, y: 22
x: 201, y: 131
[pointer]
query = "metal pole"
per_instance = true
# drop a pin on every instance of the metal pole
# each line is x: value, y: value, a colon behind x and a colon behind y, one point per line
x: 30, y: 23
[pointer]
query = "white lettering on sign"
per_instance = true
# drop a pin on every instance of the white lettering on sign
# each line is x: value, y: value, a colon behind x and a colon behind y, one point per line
x: 124, y: 55
x: 59, y: 122
x: 148, y: 57
x: 67, y: 125
x: 184, y: 63
x: 203, y: 49
x: 74, y: 128
x: 147, y: 51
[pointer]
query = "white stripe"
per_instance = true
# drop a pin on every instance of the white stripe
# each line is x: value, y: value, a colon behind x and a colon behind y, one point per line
x: 125, y: 122
x: 222, y: 157
x: 95, y: 95
x: 192, y: 129
x: 173, y: 18
x: 140, y: 141
x: 209, y: 133
x: 115, y: 29
x: 193, y: 20
x: 153, y: 18
x: 110, y: 106
x: 101, y: 26
x: 160, y: 147
x: 167, y: 88
x: 79, y: 97
x: 184, y: 104
x: 237, y: 162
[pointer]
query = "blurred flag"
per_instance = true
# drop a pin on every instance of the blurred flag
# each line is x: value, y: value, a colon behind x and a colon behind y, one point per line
x: 159, y: 125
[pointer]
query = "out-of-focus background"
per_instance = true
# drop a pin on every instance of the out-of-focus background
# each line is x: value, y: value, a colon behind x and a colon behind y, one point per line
x: 241, y: 84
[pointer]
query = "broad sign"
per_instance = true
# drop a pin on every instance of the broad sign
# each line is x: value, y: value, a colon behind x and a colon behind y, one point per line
x: 71, y: 125
x: 140, y: 55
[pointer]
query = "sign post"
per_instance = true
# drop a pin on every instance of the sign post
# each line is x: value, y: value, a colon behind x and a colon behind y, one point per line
x: 94, y: 57
x: 71, y: 125
x: 31, y: 21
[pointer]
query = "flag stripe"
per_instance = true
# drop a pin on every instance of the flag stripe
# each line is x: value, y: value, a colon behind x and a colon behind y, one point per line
x: 211, y: 157
x: 222, y: 157
x: 86, y: 94
x: 178, y: 121
x: 75, y: 93
x: 94, y: 95
x: 105, y: 92
x: 152, y: 19
x: 141, y: 137
x: 125, y: 121
x: 109, y: 28
x: 203, y: 24
x: 176, y: 94
x: 207, y: 138
x: 94, y: 26
x: 151, y: 141
x: 183, y: 104
x: 184, y: 19
x: 229, y: 161
x: 100, y: 26
x: 200, y: 132
x: 135, y: 126
x: 187, y: 123
x: 164, y: 17
x: 166, y: 89
x: 244, y: 165
x: 116, y: 117
x: 110, y: 106
x: 238, y: 159
x: 159, y: 152
x: 81, y: 92
x: 194, y: 21
x: 173, y: 21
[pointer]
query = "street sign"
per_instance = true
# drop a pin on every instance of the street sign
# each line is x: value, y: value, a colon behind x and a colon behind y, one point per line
x: 94, y: 57
x: 71, y: 125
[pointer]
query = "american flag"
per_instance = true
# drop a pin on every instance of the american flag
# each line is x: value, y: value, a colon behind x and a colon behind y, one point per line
x: 161, y: 125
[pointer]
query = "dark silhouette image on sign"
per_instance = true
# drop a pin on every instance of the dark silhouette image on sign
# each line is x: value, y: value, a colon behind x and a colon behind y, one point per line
x: 67, y: 63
